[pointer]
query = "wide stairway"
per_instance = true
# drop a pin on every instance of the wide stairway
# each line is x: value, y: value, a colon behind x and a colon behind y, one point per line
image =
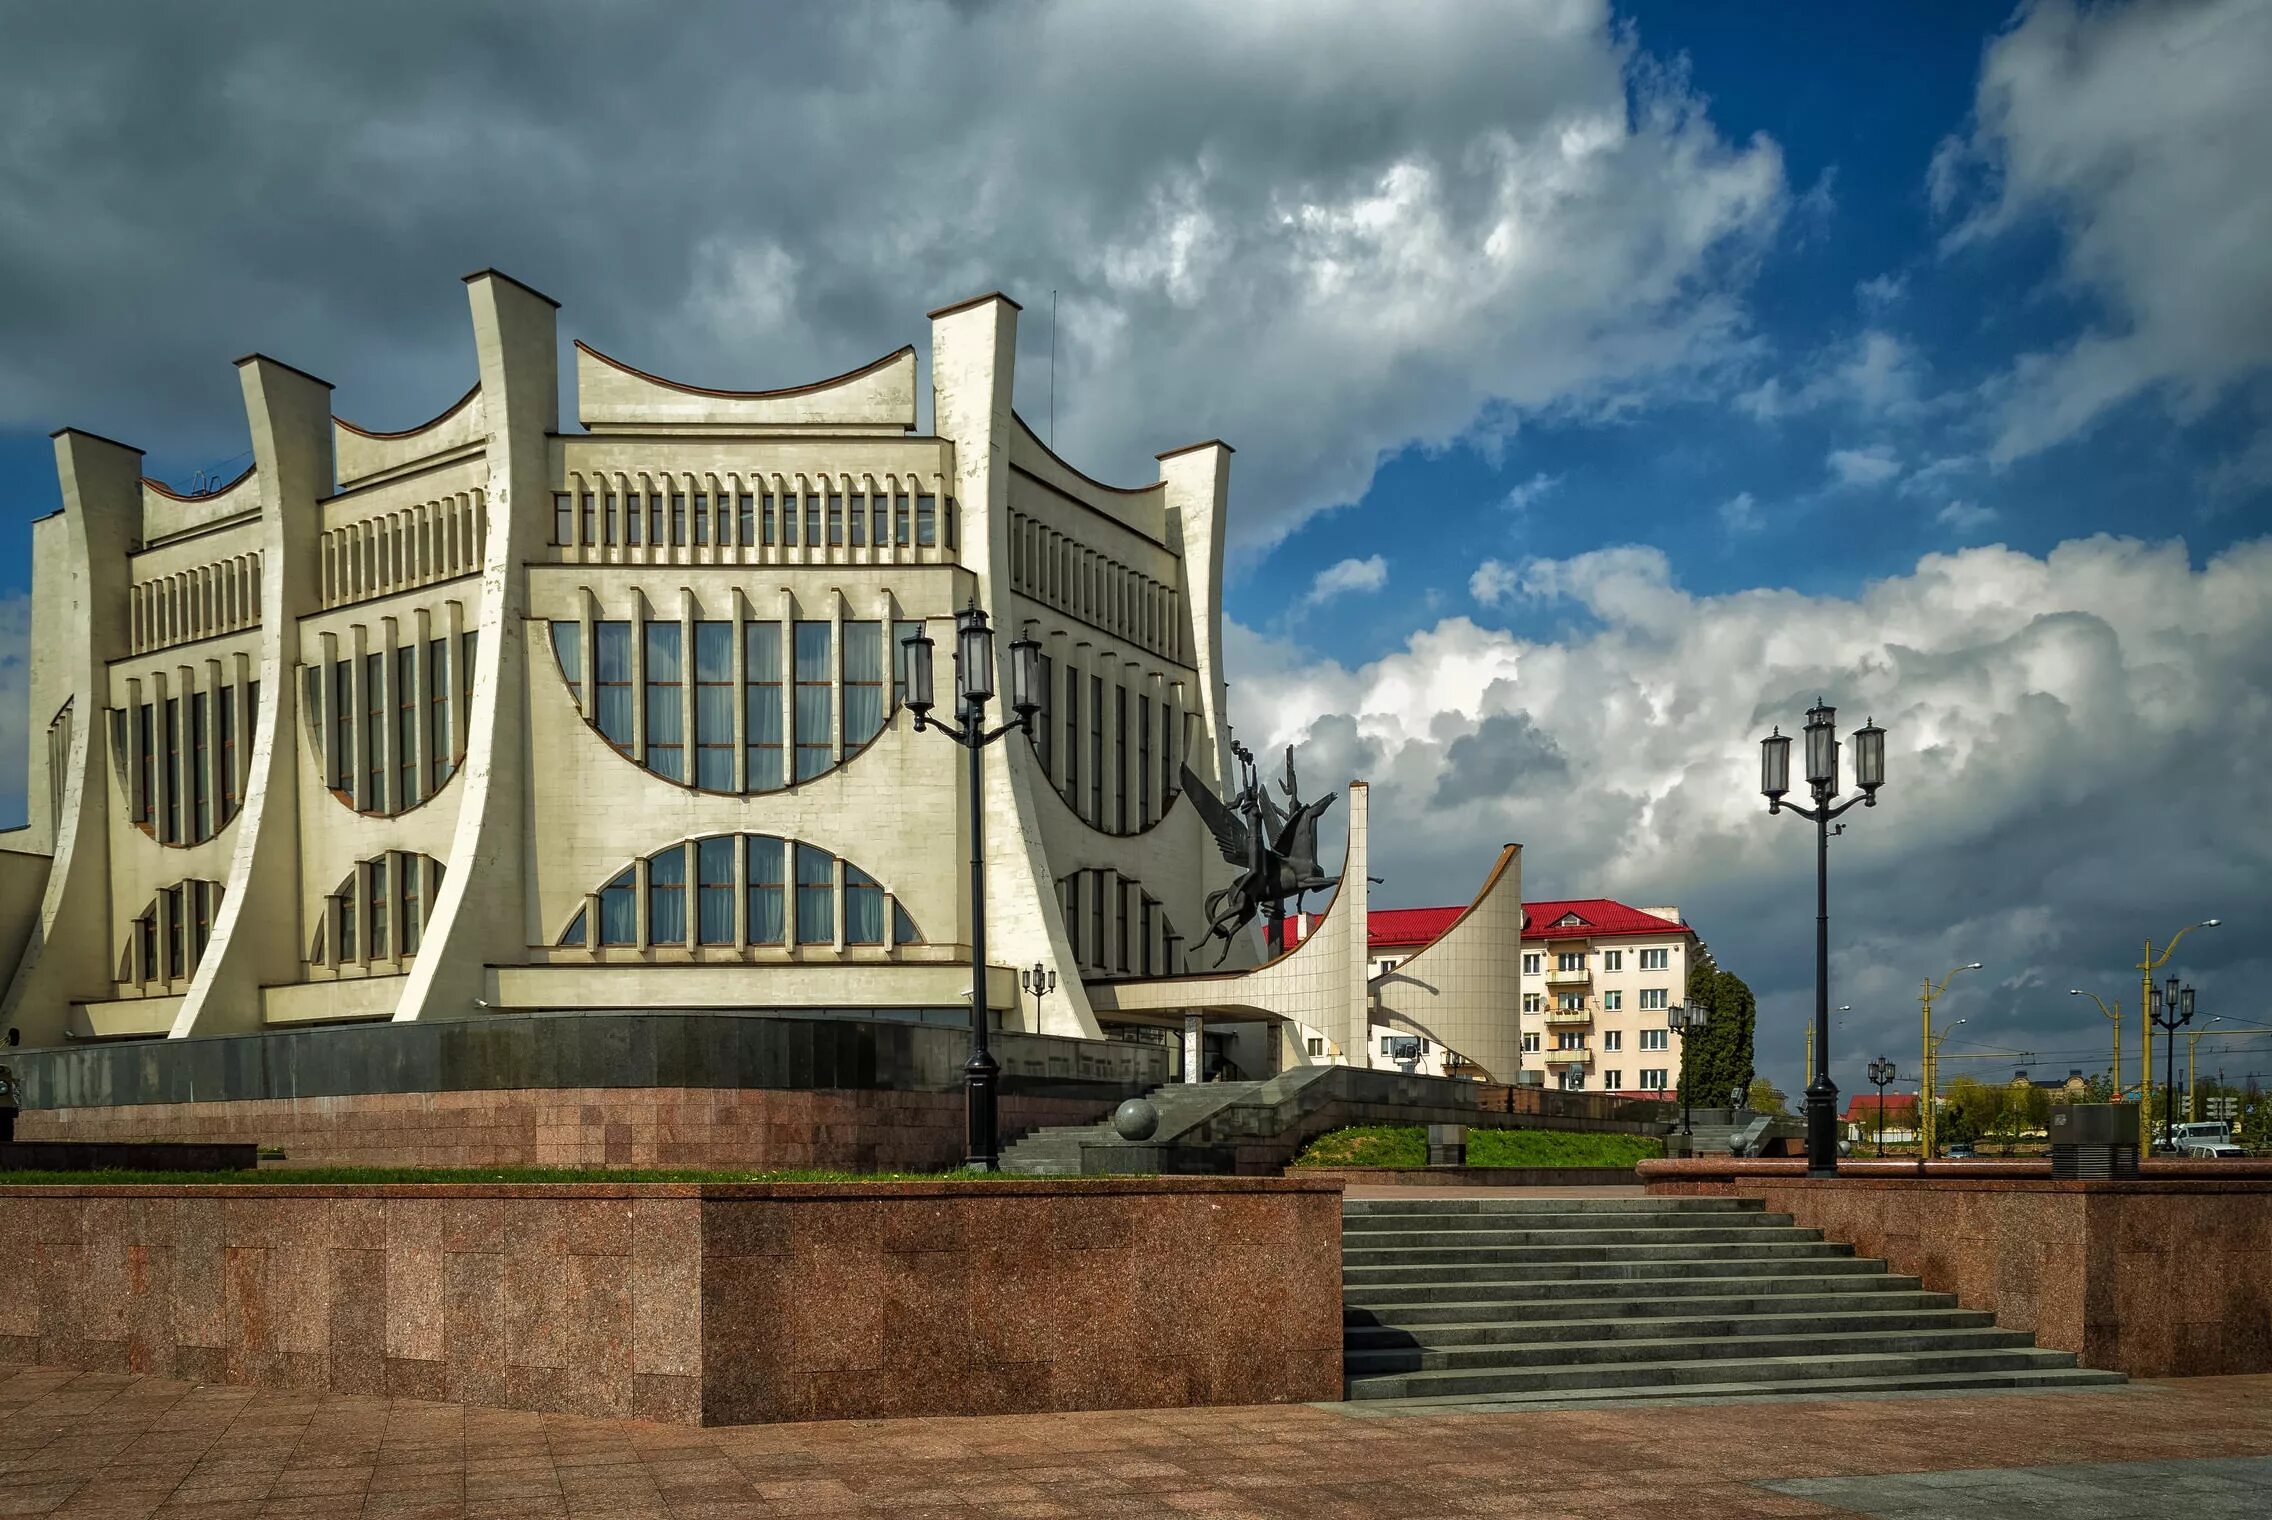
x: 1055, y: 1151
x: 1468, y: 1303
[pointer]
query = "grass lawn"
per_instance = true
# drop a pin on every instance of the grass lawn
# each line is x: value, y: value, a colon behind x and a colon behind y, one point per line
x: 367, y: 1175
x: 1407, y: 1145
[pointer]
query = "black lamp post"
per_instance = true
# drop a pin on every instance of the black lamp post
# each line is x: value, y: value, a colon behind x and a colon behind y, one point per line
x: 1881, y: 1072
x: 2172, y: 1011
x: 1685, y: 1022
x: 1040, y: 981
x: 974, y: 687
x: 1822, y: 781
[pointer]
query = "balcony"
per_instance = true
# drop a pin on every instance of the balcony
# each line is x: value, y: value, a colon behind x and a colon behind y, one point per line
x: 1561, y: 978
x: 1569, y: 1017
x: 1567, y: 1057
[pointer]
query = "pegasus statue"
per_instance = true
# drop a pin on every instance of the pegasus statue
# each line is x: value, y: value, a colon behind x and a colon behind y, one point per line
x: 1274, y: 847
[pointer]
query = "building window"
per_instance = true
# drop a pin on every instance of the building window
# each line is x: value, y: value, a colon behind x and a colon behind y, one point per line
x: 761, y: 698
x: 815, y: 698
x: 1097, y: 941
x: 666, y: 897
x: 1570, y: 1040
x: 1653, y: 1077
x: 1530, y: 1044
x: 1656, y: 1039
x: 665, y: 703
x: 1072, y: 911
x: 1573, y: 1081
x: 1656, y: 960
x: 1534, y: 1002
x: 1570, y: 960
x: 145, y: 766
x: 441, y: 733
x: 611, y: 675
x: 1612, y: 1039
x: 1096, y: 750
x: 1073, y: 738
x: 1317, y: 1045
x: 714, y: 889
x: 863, y: 907
x: 926, y: 521
x: 701, y: 521
x: 563, y: 518
x: 863, y: 682
x: 745, y: 521
x: 172, y: 834
x: 374, y: 798
x: 1120, y: 759
x: 226, y: 711
x: 1041, y: 729
x: 378, y: 914
x: 768, y: 924
x: 1570, y: 1002
x: 816, y: 896
x: 1612, y: 1080
x: 1613, y: 960
x: 714, y: 707
x: 1612, y: 1002
x: 1533, y: 964
x: 1143, y: 762
x: 1652, y: 999
x: 200, y: 767
x: 406, y: 708
x: 619, y: 912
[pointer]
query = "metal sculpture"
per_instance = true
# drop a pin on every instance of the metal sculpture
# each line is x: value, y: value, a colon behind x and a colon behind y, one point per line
x: 1274, y: 848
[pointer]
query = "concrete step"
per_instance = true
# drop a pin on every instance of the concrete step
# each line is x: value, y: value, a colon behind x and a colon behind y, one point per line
x: 1729, y: 1300
x: 1851, y: 1275
x: 1526, y: 1332
x: 1364, y: 1207
x: 1794, y: 1372
x: 1592, y: 1279
x: 1737, y: 1346
x: 1371, y: 1228
x: 1944, y: 1382
x: 1379, y: 1242
x: 1535, y: 1262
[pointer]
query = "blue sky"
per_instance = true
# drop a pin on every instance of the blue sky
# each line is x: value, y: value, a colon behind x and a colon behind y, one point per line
x: 1606, y: 380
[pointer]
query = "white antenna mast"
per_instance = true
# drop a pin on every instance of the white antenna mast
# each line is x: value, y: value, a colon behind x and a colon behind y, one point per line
x: 1053, y: 369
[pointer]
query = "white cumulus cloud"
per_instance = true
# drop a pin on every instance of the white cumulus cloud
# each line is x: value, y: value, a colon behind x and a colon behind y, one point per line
x: 1344, y: 578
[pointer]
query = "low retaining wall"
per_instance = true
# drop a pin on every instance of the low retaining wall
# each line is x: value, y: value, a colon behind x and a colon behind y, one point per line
x: 2169, y: 1275
x: 84, y: 1156
x: 853, y: 1130
x: 1473, y: 1176
x: 695, y: 1303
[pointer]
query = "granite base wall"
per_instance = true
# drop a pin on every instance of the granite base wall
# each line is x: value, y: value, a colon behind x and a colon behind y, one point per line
x: 855, y: 1130
x: 2166, y: 1276
x: 695, y: 1303
x: 1472, y: 1176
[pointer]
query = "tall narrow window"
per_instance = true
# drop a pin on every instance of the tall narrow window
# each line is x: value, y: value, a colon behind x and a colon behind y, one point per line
x: 413, y: 891
x: 343, y: 727
x: 761, y: 697
x: 666, y: 898
x: 225, y: 713
x: 714, y: 890
x: 902, y: 531
x: 745, y: 520
x: 1147, y: 961
x: 380, y: 905
x: 145, y: 765
x: 835, y: 522
x: 768, y: 508
x: 204, y: 897
x: 1167, y: 757
x: 1072, y: 886
x: 1143, y: 761
x: 146, y: 941
x: 568, y: 649
x: 655, y: 537
x: 200, y: 767
x: 375, y: 738
x: 172, y: 833
x: 815, y: 698
x: 607, y: 518
x: 714, y: 705
x: 926, y: 521
x: 790, y: 511
x: 634, y: 534
x: 766, y: 884
x: 1073, y: 738
x: 678, y: 520
x: 611, y: 675
x: 441, y: 738
x: 1098, y: 945
x: 563, y: 519
x: 177, y: 964
x: 816, y: 896
x: 863, y: 683
x: 591, y: 528
x: 619, y: 914
x: 863, y: 907
x: 406, y: 724
x: 666, y: 699
x: 812, y: 522
x: 1120, y: 759
x: 701, y: 521
x: 856, y: 524
x: 1043, y: 718
x: 1096, y: 751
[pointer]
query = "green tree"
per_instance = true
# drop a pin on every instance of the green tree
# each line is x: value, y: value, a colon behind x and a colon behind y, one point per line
x: 1968, y: 1111
x: 1764, y: 1097
x: 1718, y: 1062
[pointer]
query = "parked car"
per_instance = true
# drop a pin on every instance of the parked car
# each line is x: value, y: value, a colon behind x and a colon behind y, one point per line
x: 2212, y: 1150
x: 1958, y: 1152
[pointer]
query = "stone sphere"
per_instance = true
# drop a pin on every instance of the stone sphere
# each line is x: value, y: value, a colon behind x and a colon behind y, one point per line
x: 1136, y: 1120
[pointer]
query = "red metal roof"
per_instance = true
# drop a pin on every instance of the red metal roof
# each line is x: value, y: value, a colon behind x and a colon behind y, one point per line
x: 1860, y: 1106
x: 1601, y: 918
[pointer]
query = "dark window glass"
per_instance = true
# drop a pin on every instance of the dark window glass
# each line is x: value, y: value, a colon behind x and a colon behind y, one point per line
x: 1120, y: 758
x: 714, y: 887
x: 1073, y: 738
x: 200, y: 766
x: 172, y: 834
x: 413, y: 907
x: 608, y: 510
x: 714, y: 705
x: 702, y: 521
x: 745, y: 520
x: 146, y: 933
x: 145, y: 765
x: 903, y: 927
x: 568, y: 649
x: 678, y: 520
x: 634, y: 529
x: 1098, y: 945
x: 1167, y: 757
x: 1072, y: 886
x: 666, y: 897
x: 880, y: 506
x: 563, y: 519
x: 1096, y: 750
x: 761, y: 696
x: 763, y: 874
x: 1041, y: 720
x: 815, y: 699
x: 441, y: 739
x: 926, y: 521
x: 816, y: 896
x: 790, y: 512
x: 590, y: 511
x: 857, y: 523
x: 863, y: 908
x: 611, y: 674
x: 226, y: 714
x: 863, y: 683
x: 406, y: 724
x: 375, y: 739
x: 176, y: 963
x: 380, y: 917
x: 769, y: 508
x: 812, y: 522
x: 1143, y: 761
x: 902, y: 525
x: 666, y: 703
x: 836, y: 522
x: 619, y: 915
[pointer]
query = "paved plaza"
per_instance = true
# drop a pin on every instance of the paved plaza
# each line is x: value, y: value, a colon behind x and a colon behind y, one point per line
x: 114, y: 1446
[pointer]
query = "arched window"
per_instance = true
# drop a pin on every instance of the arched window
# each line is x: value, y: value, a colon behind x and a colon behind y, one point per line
x: 378, y: 914
x: 756, y: 706
x: 170, y: 936
x: 184, y: 754
x: 739, y: 891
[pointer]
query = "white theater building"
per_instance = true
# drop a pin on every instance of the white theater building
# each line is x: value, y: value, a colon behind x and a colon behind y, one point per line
x: 494, y: 713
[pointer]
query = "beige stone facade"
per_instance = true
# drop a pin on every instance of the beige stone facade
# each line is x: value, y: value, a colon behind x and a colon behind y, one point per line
x: 494, y: 713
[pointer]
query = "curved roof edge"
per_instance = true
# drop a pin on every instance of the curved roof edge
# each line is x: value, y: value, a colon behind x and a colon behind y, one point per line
x: 1075, y: 470
x: 440, y: 417
x: 171, y: 494
x: 905, y: 351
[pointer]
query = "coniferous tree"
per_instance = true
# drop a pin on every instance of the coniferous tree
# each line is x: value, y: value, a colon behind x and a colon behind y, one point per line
x: 1718, y: 1063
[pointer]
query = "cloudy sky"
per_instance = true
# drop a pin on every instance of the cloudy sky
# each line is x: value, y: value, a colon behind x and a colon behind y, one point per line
x: 1607, y: 381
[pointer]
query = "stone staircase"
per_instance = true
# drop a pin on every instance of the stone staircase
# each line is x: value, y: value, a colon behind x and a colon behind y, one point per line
x: 1468, y: 1303
x: 1055, y: 1151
